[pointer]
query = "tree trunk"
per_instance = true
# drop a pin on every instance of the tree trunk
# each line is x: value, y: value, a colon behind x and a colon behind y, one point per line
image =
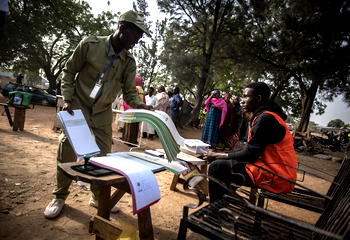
x: 307, y: 103
x: 52, y: 78
x: 201, y: 86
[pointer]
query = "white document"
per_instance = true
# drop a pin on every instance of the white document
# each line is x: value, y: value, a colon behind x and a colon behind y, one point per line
x: 143, y: 184
x: 173, y: 166
x: 196, y: 146
x: 187, y: 158
x: 78, y: 133
x: 153, y: 166
x: 155, y: 153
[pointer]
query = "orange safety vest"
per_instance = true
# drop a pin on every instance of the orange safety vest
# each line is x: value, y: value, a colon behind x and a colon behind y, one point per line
x: 279, y: 158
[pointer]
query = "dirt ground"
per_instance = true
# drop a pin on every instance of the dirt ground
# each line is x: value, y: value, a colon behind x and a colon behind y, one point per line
x: 27, y: 177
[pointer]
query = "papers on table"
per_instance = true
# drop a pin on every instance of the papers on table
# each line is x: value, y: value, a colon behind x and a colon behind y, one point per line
x: 173, y: 166
x: 195, y: 145
x: 185, y: 157
x: 167, y: 131
x: 153, y: 166
x: 155, y: 153
x: 143, y: 184
x: 78, y: 132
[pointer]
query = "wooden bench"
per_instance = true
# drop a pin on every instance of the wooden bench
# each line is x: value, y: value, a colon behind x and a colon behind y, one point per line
x: 19, y: 116
x: 8, y: 114
x: 195, y: 162
x: 305, y: 199
x: 234, y: 217
x: 104, y: 229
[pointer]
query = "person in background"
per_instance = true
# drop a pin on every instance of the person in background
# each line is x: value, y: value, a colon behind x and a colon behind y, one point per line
x: 97, y: 71
x: 131, y: 130
x: 237, y: 122
x: 237, y: 114
x: 227, y: 129
x: 170, y: 95
x: 216, y: 109
x: 274, y: 152
x: 162, y: 99
x: 147, y: 129
x: 175, y: 105
x: 19, y: 79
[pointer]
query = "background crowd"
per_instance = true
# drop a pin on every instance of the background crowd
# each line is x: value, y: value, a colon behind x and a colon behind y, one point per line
x: 223, y: 121
x: 169, y: 102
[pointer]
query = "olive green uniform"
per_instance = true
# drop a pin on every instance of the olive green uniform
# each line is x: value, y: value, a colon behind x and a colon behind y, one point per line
x: 80, y: 75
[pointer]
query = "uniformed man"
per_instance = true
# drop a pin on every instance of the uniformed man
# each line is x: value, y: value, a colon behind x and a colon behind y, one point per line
x: 98, y: 70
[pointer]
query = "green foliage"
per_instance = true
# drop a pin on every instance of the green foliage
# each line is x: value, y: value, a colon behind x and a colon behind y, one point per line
x: 337, y: 123
x: 193, y: 48
x: 312, y: 124
x: 43, y: 34
x: 148, y: 52
x: 299, y: 47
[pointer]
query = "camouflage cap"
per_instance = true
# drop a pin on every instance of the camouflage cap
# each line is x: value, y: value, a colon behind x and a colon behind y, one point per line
x: 136, y: 18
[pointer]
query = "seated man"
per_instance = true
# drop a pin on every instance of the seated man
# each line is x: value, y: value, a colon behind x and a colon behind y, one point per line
x: 269, y: 145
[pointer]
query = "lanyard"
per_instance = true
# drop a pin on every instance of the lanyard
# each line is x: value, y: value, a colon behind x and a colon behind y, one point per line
x: 109, y: 65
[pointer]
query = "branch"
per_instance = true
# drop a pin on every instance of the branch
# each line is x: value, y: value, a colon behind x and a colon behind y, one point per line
x: 59, y: 62
x: 188, y: 89
x: 54, y: 42
x: 179, y: 3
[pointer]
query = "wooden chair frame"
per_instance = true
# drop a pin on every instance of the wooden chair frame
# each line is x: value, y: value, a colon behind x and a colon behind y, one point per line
x: 233, y: 217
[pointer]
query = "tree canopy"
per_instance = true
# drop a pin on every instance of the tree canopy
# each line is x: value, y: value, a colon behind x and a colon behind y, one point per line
x: 43, y: 34
x: 299, y: 48
x: 337, y: 123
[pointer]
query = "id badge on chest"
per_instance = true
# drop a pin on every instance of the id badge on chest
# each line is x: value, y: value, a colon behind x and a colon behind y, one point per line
x: 96, y: 91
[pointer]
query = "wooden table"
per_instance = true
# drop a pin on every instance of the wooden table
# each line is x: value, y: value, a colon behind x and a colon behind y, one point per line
x: 106, y: 201
x: 19, y: 118
x: 8, y: 114
x: 196, y: 161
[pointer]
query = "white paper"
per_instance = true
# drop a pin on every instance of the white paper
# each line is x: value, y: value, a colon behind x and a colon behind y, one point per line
x: 173, y: 166
x: 153, y: 166
x: 78, y: 133
x: 195, y: 143
x: 186, y: 157
x: 155, y: 153
x: 143, y: 184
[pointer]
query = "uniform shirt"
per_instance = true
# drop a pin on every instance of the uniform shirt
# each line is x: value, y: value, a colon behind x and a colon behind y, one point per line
x: 82, y: 71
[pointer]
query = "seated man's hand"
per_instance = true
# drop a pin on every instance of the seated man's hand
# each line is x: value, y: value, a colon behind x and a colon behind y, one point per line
x: 211, y: 156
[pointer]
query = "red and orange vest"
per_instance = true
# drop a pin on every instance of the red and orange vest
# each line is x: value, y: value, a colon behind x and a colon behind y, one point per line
x: 279, y: 158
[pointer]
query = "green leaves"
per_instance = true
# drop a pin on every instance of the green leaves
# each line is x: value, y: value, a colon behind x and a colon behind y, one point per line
x: 43, y: 34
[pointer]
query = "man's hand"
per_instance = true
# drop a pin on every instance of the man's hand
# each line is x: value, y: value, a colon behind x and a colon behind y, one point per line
x: 67, y: 106
x: 147, y: 107
x: 211, y: 156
